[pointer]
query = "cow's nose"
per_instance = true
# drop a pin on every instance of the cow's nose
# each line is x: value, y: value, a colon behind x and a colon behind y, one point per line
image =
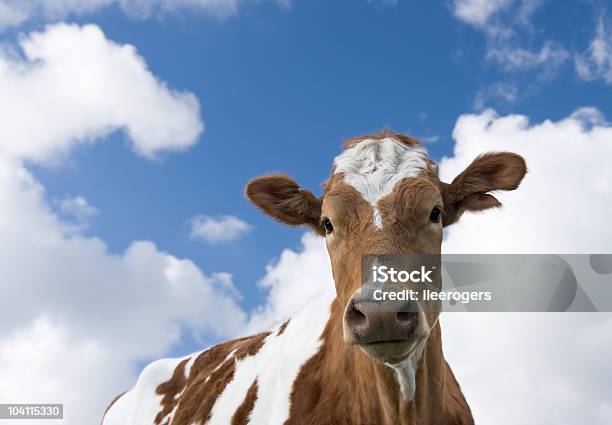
x: 371, y: 321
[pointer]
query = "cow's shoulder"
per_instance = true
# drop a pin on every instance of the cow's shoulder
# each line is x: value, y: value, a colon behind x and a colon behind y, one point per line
x: 244, y: 380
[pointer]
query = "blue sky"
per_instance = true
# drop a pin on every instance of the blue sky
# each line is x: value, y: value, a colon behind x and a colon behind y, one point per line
x: 281, y: 89
x: 89, y: 126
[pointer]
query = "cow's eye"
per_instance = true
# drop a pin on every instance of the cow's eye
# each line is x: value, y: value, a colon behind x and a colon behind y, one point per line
x: 327, y: 224
x: 435, y: 214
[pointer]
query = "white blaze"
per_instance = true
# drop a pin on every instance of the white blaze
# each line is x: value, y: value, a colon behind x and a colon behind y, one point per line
x: 374, y: 167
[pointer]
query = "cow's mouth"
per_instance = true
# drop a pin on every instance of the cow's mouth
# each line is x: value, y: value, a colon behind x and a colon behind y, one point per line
x: 390, y: 351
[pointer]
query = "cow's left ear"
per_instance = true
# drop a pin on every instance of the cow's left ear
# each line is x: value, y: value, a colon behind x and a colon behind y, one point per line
x: 284, y: 200
x: 469, y: 190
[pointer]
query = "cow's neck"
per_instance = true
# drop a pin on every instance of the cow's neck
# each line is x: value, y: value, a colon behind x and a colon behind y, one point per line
x: 350, y: 381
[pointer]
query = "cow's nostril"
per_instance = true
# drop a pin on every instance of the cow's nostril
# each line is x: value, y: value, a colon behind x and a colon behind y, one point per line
x: 406, y: 316
x: 355, y: 316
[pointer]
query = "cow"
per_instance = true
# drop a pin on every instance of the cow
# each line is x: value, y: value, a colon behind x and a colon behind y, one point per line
x: 340, y: 360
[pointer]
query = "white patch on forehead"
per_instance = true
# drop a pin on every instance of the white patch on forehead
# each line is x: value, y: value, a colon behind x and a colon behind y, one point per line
x: 374, y: 167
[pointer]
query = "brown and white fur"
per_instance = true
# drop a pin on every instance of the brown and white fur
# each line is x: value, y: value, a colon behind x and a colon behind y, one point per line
x: 323, y: 366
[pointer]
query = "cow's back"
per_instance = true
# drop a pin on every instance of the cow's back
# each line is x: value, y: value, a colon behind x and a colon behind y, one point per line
x: 247, y: 380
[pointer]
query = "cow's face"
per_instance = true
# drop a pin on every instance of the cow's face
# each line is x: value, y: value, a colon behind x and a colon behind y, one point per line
x: 384, y: 197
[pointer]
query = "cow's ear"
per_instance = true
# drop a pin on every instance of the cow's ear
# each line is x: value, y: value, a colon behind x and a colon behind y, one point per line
x: 284, y: 200
x: 489, y: 172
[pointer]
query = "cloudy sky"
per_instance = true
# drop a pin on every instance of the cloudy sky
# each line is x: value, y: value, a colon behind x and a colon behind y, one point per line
x: 128, y: 129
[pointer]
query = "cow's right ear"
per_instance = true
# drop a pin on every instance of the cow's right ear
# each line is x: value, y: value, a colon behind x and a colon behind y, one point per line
x: 284, y: 200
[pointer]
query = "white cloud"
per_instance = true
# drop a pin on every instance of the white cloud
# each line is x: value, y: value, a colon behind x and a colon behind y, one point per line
x: 109, y: 310
x: 78, y: 208
x: 296, y: 279
x: 17, y: 12
x: 596, y: 62
x: 569, y: 177
x: 478, y: 12
x: 384, y: 3
x: 530, y: 368
x: 429, y: 139
x: 507, y: 27
x: 513, y: 58
x: 75, y: 318
x: 44, y: 361
x: 147, y: 8
x: 505, y: 92
x: 218, y: 229
x: 515, y: 369
x: 536, y: 368
x: 76, y: 72
x: 142, y: 293
x: 10, y: 16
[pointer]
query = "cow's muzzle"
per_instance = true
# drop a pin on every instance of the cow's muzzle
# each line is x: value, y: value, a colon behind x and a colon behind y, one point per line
x: 388, y: 330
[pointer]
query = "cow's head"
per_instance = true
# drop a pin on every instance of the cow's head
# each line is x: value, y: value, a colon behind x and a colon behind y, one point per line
x: 384, y: 197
